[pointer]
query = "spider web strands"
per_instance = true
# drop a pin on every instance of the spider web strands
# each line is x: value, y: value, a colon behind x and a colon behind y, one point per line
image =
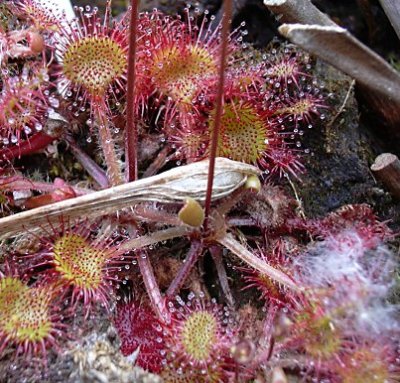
x: 220, y: 91
x: 172, y: 186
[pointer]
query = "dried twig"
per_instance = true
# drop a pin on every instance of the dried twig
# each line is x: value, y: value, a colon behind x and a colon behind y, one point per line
x: 387, y: 168
x: 298, y: 11
x: 171, y: 186
x: 380, y: 82
x: 340, y: 49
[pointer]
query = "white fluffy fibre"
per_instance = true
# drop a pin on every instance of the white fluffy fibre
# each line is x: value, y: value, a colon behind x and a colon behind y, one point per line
x: 358, y: 280
x: 345, y: 256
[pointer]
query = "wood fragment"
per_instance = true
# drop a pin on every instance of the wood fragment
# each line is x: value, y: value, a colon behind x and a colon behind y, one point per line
x: 339, y: 48
x: 298, y: 11
x: 380, y: 83
x: 387, y: 169
x: 392, y: 10
x: 172, y: 186
x: 343, y: 51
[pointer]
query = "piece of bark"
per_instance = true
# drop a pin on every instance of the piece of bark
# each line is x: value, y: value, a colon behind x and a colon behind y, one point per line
x: 379, y: 82
x: 172, y: 186
x: 387, y: 169
x: 339, y: 48
x: 392, y: 10
x: 298, y: 11
x: 345, y: 53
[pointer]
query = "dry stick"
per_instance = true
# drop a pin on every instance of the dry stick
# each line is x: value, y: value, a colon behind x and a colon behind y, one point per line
x: 392, y: 10
x: 172, y: 186
x: 131, y: 134
x: 196, y: 248
x: 218, y: 114
x: 261, y: 266
x: 387, y: 168
x: 339, y: 48
x: 346, y: 54
x: 88, y: 164
x: 298, y: 11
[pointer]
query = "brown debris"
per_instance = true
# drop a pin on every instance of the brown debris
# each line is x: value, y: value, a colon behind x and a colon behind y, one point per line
x: 387, y: 169
x: 298, y: 11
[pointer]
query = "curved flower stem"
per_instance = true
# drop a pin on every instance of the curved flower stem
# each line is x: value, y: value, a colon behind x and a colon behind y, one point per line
x: 192, y: 256
x: 218, y: 114
x: 131, y: 134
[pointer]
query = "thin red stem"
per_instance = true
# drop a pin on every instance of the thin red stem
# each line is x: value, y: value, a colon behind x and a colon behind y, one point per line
x: 150, y: 282
x: 216, y: 254
x: 94, y: 170
x: 220, y: 91
x: 192, y: 256
x: 131, y: 134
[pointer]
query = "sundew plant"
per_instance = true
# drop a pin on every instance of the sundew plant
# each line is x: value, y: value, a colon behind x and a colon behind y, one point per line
x: 139, y: 162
